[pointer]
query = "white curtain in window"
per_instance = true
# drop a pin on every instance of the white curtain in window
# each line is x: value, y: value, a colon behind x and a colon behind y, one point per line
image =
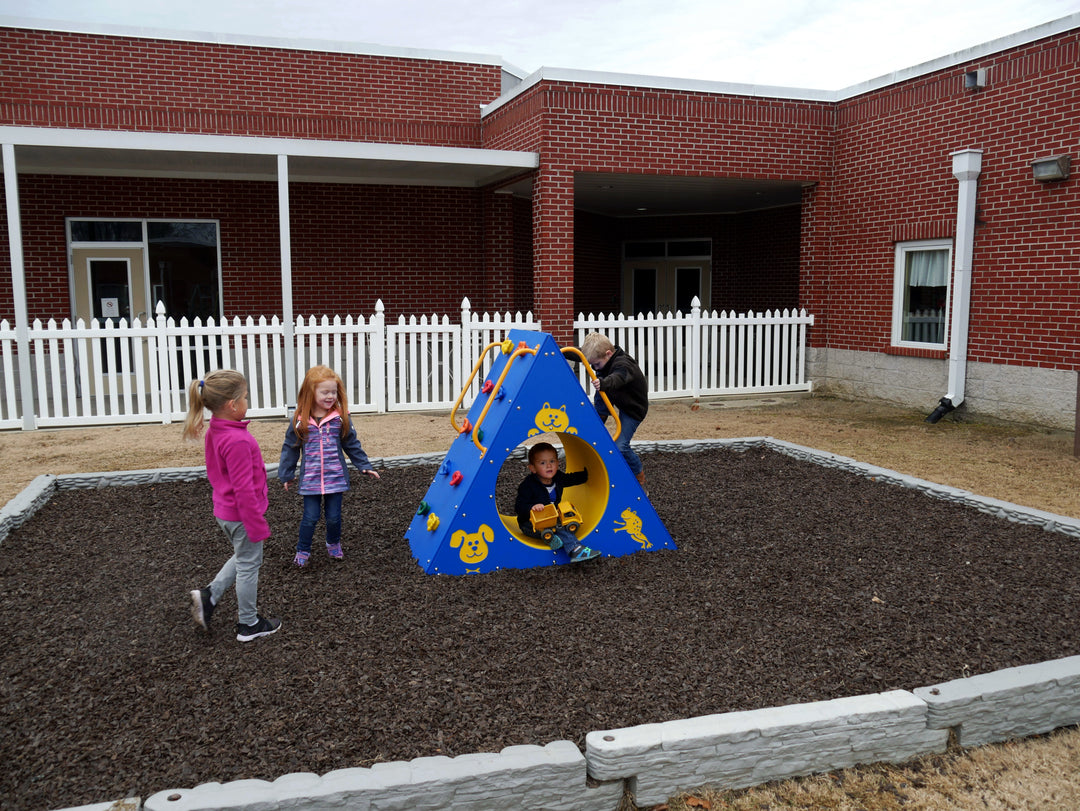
x: 927, y: 268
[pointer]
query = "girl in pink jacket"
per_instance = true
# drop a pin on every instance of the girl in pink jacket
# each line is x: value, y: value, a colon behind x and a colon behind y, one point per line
x: 237, y: 474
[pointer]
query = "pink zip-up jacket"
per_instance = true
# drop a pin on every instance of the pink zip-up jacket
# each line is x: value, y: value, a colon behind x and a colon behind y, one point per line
x: 237, y: 474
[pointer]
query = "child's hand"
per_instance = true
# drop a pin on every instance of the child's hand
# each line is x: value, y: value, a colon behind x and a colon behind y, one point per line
x: 596, y: 383
x: 538, y: 507
x: 285, y: 485
x: 374, y: 473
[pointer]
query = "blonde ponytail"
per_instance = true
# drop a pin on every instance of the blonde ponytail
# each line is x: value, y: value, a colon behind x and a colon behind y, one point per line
x: 211, y: 393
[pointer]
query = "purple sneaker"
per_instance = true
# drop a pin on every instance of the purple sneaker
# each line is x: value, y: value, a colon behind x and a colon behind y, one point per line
x: 334, y: 551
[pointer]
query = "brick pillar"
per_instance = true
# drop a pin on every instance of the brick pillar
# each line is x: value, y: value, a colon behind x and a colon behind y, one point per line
x: 553, y: 253
x: 498, y: 252
x: 815, y: 261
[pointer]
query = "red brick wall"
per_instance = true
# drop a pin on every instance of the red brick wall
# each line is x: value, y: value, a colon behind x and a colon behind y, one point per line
x: 893, y: 180
x: 597, y: 277
x: 766, y: 268
x: 419, y: 249
x: 54, y: 79
x: 523, y: 255
x: 248, y: 232
x: 592, y: 128
x: 880, y: 163
x: 553, y: 252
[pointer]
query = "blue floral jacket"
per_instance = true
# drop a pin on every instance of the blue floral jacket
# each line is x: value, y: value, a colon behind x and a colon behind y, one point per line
x: 322, y: 458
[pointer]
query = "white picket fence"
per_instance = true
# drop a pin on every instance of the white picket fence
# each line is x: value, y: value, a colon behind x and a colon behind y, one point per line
x: 706, y: 352
x: 111, y: 372
x: 925, y: 326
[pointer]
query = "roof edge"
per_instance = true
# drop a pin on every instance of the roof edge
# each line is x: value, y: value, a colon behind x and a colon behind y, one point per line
x: 248, y: 40
x: 1020, y: 38
x: 573, y: 76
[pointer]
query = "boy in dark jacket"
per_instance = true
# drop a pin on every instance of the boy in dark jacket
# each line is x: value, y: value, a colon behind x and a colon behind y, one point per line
x: 620, y: 378
x: 544, y: 485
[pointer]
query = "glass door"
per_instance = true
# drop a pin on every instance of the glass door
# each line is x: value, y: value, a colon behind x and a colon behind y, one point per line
x: 109, y: 283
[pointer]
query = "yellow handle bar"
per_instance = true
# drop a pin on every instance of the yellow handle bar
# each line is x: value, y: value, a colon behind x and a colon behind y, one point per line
x: 491, y: 397
x: 468, y: 383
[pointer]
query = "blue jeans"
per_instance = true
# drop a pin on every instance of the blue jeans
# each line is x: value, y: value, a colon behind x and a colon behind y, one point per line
x: 569, y: 539
x: 313, y: 508
x: 629, y: 426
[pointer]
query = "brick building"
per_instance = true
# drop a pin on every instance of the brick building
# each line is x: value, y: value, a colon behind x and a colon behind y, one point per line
x: 256, y: 178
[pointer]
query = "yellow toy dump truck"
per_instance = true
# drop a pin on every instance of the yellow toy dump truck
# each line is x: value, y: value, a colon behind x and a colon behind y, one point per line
x: 545, y: 521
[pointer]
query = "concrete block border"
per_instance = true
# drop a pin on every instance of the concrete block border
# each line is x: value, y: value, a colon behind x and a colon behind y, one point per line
x: 656, y: 761
x: 741, y: 749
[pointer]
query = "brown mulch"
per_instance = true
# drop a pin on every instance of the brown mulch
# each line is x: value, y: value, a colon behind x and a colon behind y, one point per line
x: 791, y: 583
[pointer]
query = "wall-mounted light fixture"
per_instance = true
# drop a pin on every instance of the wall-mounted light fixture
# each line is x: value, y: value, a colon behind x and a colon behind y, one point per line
x: 1055, y: 168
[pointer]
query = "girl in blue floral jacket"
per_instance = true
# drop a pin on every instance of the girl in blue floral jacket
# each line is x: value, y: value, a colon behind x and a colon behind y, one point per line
x: 320, y: 437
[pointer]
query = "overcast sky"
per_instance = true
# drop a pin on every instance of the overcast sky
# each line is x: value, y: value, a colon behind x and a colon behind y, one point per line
x: 817, y: 44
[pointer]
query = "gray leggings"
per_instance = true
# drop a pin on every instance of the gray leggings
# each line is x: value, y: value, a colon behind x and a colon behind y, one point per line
x: 242, y: 569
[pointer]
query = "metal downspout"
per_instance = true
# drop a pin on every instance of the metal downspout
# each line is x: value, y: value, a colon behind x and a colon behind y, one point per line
x: 967, y: 165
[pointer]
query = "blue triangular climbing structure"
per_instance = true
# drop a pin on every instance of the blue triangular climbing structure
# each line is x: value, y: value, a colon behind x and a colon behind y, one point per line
x: 530, y: 389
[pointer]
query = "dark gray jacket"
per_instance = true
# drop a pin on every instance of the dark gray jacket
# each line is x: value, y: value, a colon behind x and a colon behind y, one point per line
x: 624, y: 384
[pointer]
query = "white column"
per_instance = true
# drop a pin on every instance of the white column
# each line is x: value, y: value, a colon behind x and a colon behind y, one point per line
x: 285, y: 241
x: 18, y: 286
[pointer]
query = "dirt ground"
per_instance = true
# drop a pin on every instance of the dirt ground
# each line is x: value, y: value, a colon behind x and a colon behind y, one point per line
x: 1017, y: 463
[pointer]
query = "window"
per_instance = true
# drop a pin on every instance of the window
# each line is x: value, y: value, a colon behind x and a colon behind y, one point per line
x: 921, y: 293
x: 172, y: 262
x: 184, y: 268
x: 666, y: 275
x: 106, y: 231
x: 668, y: 248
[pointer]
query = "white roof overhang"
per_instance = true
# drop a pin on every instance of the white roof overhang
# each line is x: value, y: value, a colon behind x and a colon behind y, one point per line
x: 47, y: 150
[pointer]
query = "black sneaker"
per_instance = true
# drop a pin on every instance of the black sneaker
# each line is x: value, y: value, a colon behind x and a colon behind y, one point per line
x: 262, y: 627
x: 201, y: 607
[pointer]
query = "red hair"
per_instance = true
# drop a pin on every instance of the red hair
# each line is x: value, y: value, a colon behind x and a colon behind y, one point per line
x: 305, y: 399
